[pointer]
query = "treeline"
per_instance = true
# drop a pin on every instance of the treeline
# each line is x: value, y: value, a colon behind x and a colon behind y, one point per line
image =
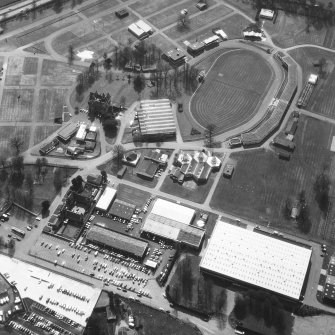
x: 311, y: 9
x: 262, y: 306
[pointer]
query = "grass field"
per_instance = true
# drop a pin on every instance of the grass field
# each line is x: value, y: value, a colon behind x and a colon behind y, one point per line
x: 198, y: 21
x: 101, y: 46
x: 161, y: 42
x: 132, y: 195
x: 21, y: 71
x: 244, y: 6
x: 190, y: 190
x: 42, y: 132
x: 290, y: 30
x: 231, y: 25
x: 8, y: 132
x: 56, y: 73
x: 190, y: 289
x: 322, y: 100
x: 262, y: 183
x: 156, y: 322
x: 50, y: 103
x: 16, y: 104
x: 148, y: 7
x: 124, y: 37
x: 232, y: 90
x: 170, y: 15
x: 38, y: 48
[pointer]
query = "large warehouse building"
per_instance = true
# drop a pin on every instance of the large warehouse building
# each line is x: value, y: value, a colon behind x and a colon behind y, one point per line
x: 156, y: 118
x: 173, y: 222
x: 112, y: 239
x: 257, y: 259
x: 106, y: 199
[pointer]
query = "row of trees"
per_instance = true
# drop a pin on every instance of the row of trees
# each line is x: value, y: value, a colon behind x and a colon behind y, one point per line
x: 262, y: 306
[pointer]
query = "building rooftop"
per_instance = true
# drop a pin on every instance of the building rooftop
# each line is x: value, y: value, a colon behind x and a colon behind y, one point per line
x: 122, y: 209
x: 117, y: 241
x: 257, y: 259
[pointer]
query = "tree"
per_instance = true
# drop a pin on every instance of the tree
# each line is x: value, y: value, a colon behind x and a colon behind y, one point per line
x: 58, y: 179
x: 45, y: 205
x: 183, y: 22
x: 123, y: 101
x: 304, y: 220
x: 209, y: 133
x: 118, y: 153
x: 139, y: 85
x: 104, y: 176
x: 58, y: 6
x: 16, y: 143
x: 70, y: 56
x: 321, y: 190
x: 29, y: 181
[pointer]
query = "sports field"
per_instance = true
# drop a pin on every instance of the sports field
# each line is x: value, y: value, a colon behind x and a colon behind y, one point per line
x: 16, y: 104
x: 232, y: 90
x: 262, y: 183
x: 322, y: 100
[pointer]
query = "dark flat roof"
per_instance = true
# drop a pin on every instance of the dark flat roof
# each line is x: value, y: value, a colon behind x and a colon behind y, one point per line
x: 122, y: 209
x: 117, y: 241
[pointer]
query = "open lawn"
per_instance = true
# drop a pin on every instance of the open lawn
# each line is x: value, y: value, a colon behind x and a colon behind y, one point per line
x: 42, y: 132
x: 322, y: 100
x: 244, y: 6
x: 101, y: 46
x: 21, y: 71
x: 170, y: 15
x: 124, y: 37
x: 161, y: 42
x: 132, y: 195
x: 290, y: 30
x: 189, y: 190
x: 148, y: 7
x: 231, y: 25
x: 8, y: 132
x: 110, y: 22
x: 232, y: 90
x: 262, y: 183
x: 56, y: 73
x: 198, y: 21
x: 154, y: 322
x: 189, y: 288
x: 98, y: 7
x: 16, y: 104
x: 38, y: 48
x: 50, y: 103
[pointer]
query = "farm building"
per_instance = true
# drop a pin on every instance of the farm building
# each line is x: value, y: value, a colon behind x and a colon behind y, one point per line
x: 49, y: 147
x: 106, y: 199
x: 140, y: 29
x: 253, y: 32
x: 121, y: 172
x: 173, y: 222
x: 90, y: 146
x: 197, y: 166
x: 67, y: 132
x: 257, y: 259
x: 221, y: 34
x: 122, y: 209
x: 291, y: 127
x: 94, y: 179
x: 329, y: 286
x: 211, y: 42
x: 157, y: 157
x: 156, y: 119
x: 81, y: 133
x: 91, y: 136
x: 313, y: 79
x: 196, y: 48
x: 147, y: 169
x: 175, y: 57
x: 116, y: 241
x: 266, y: 14
x: 228, y: 170
x: 284, y: 143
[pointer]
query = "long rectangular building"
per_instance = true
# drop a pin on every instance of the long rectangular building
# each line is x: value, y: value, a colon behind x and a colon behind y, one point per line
x: 111, y: 239
x: 156, y: 118
x: 255, y: 258
x: 106, y: 198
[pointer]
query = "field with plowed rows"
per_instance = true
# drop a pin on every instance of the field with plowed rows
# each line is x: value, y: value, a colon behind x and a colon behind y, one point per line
x: 233, y: 88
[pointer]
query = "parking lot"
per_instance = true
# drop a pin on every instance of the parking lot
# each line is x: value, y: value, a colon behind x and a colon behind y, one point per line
x: 111, y: 268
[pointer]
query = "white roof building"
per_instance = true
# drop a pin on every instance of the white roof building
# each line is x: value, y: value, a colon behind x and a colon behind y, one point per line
x: 106, y: 198
x: 43, y: 285
x: 211, y: 39
x: 257, y: 259
x: 313, y: 79
x: 173, y: 221
x: 267, y: 13
x: 81, y: 133
x: 144, y: 26
x: 137, y: 31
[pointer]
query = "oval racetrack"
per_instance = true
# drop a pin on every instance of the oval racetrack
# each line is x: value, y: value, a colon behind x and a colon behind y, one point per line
x: 233, y: 89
